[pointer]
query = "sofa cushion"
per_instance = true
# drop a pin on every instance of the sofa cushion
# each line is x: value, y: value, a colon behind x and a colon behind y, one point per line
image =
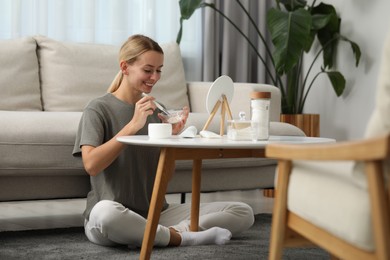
x: 171, y: 89
x: 74, y: 73
x: 38, y: 140
x: 225, y: 174
x: 38, y: 127
x: 19, y: 77
x: 36, y: 149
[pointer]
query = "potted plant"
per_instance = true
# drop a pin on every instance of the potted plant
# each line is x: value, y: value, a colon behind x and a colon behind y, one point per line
x: 294, y: 26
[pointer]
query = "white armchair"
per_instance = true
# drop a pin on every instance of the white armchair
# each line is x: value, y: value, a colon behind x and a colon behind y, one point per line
x: 336, y: 196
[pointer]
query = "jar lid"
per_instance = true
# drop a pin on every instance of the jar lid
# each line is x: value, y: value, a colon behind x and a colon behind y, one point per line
x: 258, y: 94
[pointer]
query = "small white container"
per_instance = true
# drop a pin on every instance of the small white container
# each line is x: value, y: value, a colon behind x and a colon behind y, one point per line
x: 159, y: 130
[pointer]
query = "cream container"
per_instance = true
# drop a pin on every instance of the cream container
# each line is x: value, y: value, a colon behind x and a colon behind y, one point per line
x: 159, y: 130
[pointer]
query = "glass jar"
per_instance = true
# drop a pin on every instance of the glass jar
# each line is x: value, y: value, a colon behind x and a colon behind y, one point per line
x: 260, y: 105
x: 242, y: 129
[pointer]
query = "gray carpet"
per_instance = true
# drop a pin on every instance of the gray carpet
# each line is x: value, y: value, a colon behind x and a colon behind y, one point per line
x: 71, y: 243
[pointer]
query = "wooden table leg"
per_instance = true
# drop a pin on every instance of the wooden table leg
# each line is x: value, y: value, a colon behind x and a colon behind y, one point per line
x: 279, y: 215
x: 165, y: 169
x: 195, y: 198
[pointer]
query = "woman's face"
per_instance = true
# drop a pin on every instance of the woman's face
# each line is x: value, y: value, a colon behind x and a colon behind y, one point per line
x: 145, y: 71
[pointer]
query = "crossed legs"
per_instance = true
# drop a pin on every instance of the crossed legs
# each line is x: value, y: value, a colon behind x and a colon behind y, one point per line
x: 110, y: 223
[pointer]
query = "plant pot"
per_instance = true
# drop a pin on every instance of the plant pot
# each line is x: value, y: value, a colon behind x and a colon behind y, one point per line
x: 308, y: 123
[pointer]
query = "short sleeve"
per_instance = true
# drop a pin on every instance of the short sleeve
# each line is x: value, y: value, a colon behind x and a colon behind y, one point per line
x: 90, y: 130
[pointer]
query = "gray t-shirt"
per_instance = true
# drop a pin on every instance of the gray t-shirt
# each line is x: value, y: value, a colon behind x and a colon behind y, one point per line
x: 129, y: 179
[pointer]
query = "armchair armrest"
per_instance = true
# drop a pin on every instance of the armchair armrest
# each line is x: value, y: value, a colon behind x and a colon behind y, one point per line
x: 367, y: 149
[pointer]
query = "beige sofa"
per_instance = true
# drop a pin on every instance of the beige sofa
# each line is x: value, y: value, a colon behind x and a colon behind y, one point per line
x: 45, y: 85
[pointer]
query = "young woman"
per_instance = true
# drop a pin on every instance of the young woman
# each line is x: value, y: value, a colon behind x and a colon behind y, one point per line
x: 122, y: 176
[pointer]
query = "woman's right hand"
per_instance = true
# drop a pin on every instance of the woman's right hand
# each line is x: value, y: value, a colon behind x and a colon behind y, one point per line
x: 96, y: 159
x: 143, y: 108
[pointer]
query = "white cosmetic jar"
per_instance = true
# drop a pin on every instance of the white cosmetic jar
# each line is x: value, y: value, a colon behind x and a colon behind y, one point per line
x: 159, y: 130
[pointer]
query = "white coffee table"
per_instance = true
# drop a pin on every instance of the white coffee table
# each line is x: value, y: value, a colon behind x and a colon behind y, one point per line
x: 196, y: 149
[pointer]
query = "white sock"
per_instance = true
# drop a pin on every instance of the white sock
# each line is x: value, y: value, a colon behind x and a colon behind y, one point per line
x: 214, y: 235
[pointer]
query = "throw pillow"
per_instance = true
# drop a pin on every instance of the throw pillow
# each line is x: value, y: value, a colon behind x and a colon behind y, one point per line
x: 19, y: 78
x: 74, y: 73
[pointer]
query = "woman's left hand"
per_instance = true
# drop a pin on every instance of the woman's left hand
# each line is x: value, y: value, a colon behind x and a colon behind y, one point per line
x: 178, y: 127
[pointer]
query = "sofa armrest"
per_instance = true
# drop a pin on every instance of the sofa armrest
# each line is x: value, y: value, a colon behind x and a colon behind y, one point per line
x: 281, y: 128
x: 199, y: 120
x: 276, y: 128
x: 198, y: 91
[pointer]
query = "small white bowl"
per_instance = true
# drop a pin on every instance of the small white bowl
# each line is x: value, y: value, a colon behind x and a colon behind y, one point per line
x: 159, y: 130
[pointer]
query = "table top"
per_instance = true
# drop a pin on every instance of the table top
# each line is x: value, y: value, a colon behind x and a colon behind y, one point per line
x: 223, y: 142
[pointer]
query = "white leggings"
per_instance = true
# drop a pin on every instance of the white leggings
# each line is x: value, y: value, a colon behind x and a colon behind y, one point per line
x: 110, y: 223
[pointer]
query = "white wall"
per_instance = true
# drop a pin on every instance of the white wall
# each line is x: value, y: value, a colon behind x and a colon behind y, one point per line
x: 345, y: 118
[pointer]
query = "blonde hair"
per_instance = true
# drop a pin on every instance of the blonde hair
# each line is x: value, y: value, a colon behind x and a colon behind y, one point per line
x: 129, y: 52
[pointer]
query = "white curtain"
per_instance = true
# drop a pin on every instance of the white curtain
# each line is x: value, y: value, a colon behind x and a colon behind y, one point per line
x: 210, y: 46
x: 225, y: 50
x: 104, y: 21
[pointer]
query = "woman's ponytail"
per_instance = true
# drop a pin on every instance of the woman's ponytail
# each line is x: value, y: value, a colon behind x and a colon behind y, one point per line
x: 116, y: 82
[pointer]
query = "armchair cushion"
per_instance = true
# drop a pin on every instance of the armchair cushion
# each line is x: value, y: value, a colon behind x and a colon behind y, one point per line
x: 333, y: 200
x: 339, y: 201
x: 380, y: 120
x: 379, y: 123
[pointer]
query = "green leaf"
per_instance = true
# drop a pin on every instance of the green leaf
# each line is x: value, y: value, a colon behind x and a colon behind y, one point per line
x: 328, y: 10
x: 338, y: 81
x: 320, y: 21
x: 180, y: 33
x: 292, y: 5
x: 188, y: 7
x: 328, y: 33
x: 355, y: 49
x: 290, y: 33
